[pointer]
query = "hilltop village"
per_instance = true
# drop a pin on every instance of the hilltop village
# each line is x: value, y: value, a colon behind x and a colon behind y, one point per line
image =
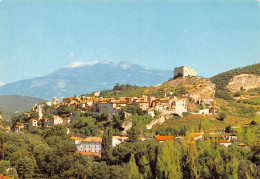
x: 159, y: 110
x: 134, y: 132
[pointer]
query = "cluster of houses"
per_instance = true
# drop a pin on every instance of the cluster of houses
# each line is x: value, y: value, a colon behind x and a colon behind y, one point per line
x: 91, y: 146
x: 148, y: 104
x: 172, y: 105
x: 113, y: 105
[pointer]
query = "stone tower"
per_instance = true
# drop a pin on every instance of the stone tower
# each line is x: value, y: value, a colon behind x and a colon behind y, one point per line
x: 184, y: 71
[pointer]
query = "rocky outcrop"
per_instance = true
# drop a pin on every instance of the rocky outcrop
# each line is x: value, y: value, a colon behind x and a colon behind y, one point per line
x: 126, y: 126
x: 198, y: 88
x: 246, y: 81
x: 161, y: 119
x: 205, y: 93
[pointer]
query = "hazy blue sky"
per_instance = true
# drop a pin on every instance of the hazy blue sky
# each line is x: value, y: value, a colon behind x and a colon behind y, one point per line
x: 40, y: 36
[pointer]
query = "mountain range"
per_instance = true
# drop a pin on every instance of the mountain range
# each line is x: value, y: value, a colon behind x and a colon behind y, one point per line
x: 78, y: 78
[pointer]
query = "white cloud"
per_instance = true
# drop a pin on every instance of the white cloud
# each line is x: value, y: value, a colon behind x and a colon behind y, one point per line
x: 1, y: 84
x: 80, y: 64
x: 147, y: 68
x: 126, y: 65
x: 111, y: 62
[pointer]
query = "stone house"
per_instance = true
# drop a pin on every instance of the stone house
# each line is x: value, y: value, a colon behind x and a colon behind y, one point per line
x: 162, y: 139
x: 197, y: 136
x: 212, y: 109
x: 225, y: 143
x: 33, y: 124
x: 204, y: 111
x: 111, y: 107
x: 142, y: 103
x: 179, y: 106
x: 55, y: 120
x: 90, y: 144
x: 231, y: 137
x: 18, y: 128
x: 118, y: 140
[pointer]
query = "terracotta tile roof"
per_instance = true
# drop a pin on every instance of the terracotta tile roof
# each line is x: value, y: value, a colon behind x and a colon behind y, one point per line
x: 224, y: 141
x: 18, y: 126
x: 76, y: 138
x: 164, y: 138
x: 3, y: 177
x: 93, y: 139
x: 196, y: 135
x: 68, y: 98
x: 89, y: 153
x: 118, y: 102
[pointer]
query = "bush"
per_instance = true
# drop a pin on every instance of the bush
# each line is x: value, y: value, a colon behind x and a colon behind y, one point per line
x: 222, y: 116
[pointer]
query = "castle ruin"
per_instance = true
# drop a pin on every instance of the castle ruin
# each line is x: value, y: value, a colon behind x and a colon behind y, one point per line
x: 184, y: 71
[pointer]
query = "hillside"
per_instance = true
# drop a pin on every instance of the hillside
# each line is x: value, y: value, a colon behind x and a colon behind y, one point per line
x: 244, y: 82
x: 81, y: 78
x: 221, y: 80
x: 11, y: 103
x: 196, y: 87
x: 232, y: 78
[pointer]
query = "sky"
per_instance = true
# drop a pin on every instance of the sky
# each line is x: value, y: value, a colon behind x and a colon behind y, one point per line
x: 38, y: 37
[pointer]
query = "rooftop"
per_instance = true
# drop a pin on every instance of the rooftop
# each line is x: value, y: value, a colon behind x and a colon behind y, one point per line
x: 93, y: 139
x: 164, y: 138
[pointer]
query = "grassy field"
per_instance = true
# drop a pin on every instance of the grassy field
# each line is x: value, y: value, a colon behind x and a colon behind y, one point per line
x: 255, y: 101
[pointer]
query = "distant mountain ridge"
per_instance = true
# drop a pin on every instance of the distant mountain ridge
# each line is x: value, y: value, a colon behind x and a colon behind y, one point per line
x: 80, y: 78
x: 10, y: 104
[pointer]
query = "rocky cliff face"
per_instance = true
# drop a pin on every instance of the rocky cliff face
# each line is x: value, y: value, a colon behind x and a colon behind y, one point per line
x: 205, y: 93
x: 247, y: 81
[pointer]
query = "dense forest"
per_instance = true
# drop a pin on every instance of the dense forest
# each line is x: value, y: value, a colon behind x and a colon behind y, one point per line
x: 51, y: 153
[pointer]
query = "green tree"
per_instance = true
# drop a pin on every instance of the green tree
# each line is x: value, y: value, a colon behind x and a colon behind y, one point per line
x: 145, y: 167
x: 106, y: 142
x: 134, y: 172
x: 133, y: 134
x: 222, y: 116
x: 100, y: 170
x: 57, y: 130
x: 168, y: 161
x: 228, y: 129
x: 25, y: 167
